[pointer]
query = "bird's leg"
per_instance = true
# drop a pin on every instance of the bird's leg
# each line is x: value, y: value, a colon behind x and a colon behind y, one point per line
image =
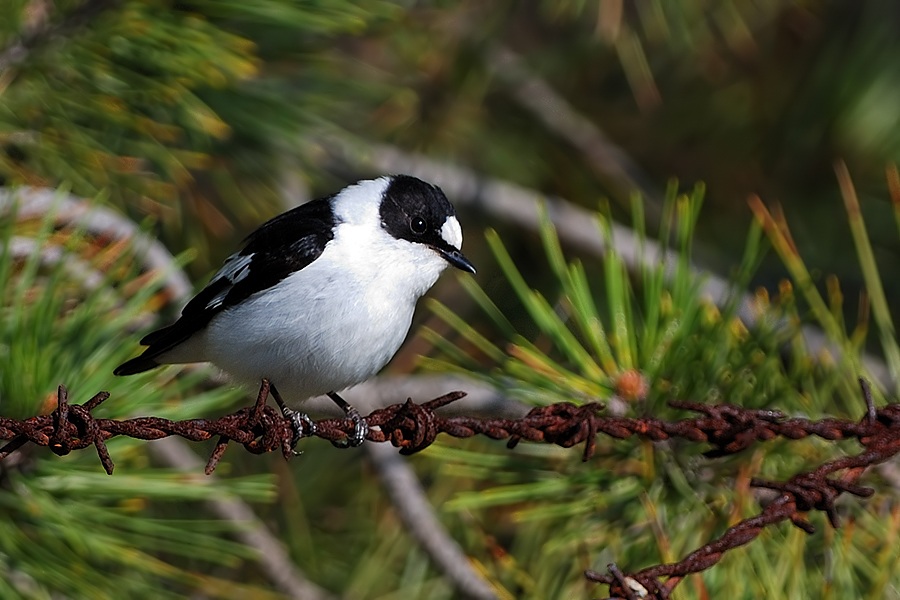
x: 302, y: 425
x: 360, y: 427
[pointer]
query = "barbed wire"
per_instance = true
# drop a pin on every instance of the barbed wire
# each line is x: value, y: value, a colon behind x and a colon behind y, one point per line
x: 879, y: 434
x: 413, y: 427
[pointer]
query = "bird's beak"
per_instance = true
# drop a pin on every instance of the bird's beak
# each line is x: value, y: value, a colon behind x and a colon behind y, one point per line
x: 456, y: 258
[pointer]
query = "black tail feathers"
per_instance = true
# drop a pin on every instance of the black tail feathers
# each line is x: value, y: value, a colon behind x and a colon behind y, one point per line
x: 136, y: 365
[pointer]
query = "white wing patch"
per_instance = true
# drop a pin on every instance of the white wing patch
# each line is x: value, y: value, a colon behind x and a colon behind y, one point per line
x: 218, y: 299
x: 235, y: 269
x: 452, y: 232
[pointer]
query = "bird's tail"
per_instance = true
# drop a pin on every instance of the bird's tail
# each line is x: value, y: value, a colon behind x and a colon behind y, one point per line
x: 136, y: 365
x: 158, y: 342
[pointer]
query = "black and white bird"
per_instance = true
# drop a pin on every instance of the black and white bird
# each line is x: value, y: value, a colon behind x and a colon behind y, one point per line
x: 320, y: 297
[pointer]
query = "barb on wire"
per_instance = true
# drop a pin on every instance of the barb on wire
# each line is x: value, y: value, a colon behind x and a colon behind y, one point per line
x: 412, y: 427
x: 818, y: 489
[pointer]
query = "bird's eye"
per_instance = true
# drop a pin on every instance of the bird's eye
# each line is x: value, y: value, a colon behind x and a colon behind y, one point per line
x: 418, y: 225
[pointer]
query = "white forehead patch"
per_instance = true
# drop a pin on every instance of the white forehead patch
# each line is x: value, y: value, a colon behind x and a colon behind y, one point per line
x: 452, y: 232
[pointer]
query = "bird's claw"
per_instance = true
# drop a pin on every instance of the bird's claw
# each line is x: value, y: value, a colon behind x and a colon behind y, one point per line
x: 360, y: 430
x: 301, y: 424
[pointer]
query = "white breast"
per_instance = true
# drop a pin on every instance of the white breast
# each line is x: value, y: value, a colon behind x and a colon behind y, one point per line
x: 331, y: 325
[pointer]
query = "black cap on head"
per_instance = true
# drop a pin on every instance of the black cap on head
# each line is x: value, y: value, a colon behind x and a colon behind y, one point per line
x: 419, y: 212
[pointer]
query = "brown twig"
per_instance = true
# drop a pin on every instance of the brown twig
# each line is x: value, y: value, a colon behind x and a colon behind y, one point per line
x: 412, y: 427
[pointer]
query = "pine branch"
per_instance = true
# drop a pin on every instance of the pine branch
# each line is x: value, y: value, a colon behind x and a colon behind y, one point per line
x: 603, y: 156
x: 68, y: 210
x: 418, y: 516
x: 250, y: 529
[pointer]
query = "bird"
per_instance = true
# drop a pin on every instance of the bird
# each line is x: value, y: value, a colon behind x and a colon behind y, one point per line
x: 319, y: 298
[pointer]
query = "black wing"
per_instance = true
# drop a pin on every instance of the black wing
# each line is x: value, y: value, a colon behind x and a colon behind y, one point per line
x: 280, y: 247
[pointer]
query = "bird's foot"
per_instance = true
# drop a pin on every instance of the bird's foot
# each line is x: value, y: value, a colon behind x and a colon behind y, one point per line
x: 301, y: 424
x: 360, y: 426
x: 360, y: 430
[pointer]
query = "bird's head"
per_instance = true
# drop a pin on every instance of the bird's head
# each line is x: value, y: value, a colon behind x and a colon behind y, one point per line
x: 420, y: 213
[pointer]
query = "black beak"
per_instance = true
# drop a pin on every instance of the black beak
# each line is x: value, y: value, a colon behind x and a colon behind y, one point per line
x: 456, y: 258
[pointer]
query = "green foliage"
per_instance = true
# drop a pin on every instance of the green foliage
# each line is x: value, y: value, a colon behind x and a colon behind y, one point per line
x: 68, y: 528
x: 829, y: 314
x: 122, y: 107
x: 196, y: 112
x: 605, y: 324
x: 179, y: 110
x: 600, y: 330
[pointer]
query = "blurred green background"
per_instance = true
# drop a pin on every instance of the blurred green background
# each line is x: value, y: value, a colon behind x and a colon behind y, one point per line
x: 198, y: 120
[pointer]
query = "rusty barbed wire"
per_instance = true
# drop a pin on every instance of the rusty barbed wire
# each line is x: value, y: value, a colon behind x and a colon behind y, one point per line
x: 879, y: 434
x: 413, y: 427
